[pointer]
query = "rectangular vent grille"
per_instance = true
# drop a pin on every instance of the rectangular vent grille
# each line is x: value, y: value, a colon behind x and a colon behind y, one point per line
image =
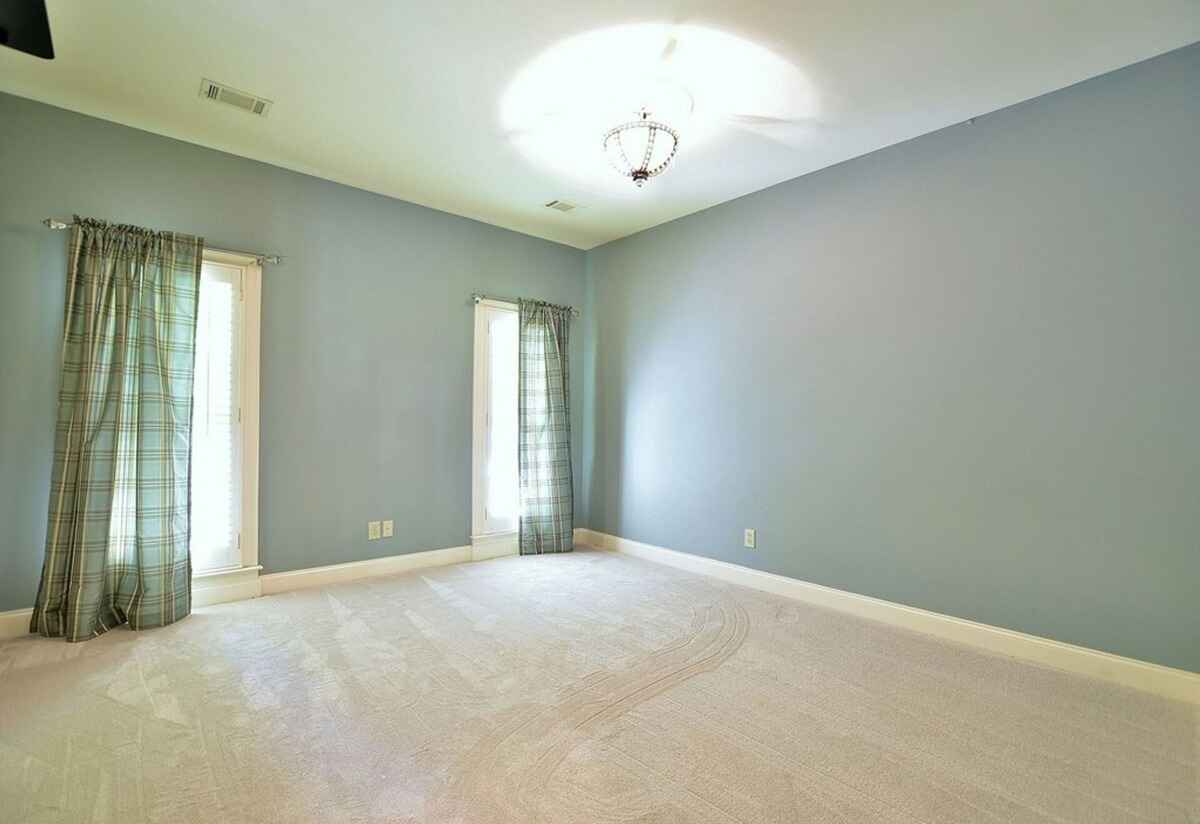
x: 560, y: 205
x: 220, y: 93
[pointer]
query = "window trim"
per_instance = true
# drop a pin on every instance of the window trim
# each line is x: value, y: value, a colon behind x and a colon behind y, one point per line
x: 215, y: 586
x: 479, y: 423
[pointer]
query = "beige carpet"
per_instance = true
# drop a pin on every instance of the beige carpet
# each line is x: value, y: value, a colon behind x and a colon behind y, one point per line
x: 581, y: 688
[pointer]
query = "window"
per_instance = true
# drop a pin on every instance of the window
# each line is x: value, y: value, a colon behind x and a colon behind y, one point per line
x: 225, y: 416
x: 216, y: 425
x: 496, y: 497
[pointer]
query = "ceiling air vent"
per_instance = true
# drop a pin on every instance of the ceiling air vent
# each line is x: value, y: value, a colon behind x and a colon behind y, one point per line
x: 560, y: 205
x: 220, y: 93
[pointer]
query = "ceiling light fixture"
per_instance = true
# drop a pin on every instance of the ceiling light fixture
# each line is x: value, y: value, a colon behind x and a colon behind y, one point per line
x: 642, y: 148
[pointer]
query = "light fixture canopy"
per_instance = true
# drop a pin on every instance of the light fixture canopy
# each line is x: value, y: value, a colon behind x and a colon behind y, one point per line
x: 642, y: 148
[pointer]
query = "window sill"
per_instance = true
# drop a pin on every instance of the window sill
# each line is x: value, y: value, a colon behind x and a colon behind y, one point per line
x: 219, y: 586
x: 489, y: 536
x: 493, y: 545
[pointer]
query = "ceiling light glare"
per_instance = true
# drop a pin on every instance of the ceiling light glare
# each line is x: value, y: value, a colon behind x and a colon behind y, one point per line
x: 559, y: 106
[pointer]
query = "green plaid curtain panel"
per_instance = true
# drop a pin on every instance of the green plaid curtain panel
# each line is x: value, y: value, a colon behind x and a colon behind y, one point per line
x: 544, y: 424
x: 117, y: 535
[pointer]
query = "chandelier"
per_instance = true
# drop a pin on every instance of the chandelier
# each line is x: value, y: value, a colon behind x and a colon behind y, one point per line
x: 642, y: 148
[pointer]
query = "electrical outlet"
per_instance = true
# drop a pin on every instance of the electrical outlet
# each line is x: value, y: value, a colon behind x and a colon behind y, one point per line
x: 372, y: 530
x: 749, y: 538
x: 389, y: 528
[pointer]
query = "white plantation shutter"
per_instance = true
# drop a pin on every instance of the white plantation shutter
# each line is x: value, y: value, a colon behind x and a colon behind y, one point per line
x: 216, y: 428
x: 501, y: 493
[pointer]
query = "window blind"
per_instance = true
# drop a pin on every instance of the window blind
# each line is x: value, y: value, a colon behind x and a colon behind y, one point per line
x: 216, y: 428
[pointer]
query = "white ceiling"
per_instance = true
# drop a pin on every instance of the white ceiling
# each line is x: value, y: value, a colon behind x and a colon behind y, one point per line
x: 408, y: 99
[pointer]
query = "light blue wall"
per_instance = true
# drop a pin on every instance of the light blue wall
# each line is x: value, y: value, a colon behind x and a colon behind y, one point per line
x: 366, y: 338
x: 961, y: 373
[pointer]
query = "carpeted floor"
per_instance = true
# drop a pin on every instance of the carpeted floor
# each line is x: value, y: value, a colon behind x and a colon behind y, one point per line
x: 573, y: 689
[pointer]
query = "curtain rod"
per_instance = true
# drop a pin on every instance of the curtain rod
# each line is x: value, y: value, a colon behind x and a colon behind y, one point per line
x: 478, y: 296
x: 55, y: 223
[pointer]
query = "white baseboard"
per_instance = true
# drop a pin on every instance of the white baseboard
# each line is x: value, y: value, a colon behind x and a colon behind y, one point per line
x: 240, y: 584
x: 223, y: 587
x: 1165, y: 681
x: 276, y: 582
x: 207, y: 589
x: 496, y: 545
x: 14, y: 623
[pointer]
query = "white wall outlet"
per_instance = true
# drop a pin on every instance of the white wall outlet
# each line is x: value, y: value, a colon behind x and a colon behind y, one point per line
x: 372, y: 530
x: 749, y: 538
x: 389, y: 528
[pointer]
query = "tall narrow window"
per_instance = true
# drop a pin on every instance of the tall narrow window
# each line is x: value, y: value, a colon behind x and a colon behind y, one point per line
x: 495, y: 464
x: 216, y: 424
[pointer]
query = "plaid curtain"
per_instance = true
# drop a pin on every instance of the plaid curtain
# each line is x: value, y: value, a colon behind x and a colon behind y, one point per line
x: 544, y: 430
x: 118, y: 529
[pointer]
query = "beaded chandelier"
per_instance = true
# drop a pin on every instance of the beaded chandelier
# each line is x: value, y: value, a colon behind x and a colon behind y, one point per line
x: 642, y: 148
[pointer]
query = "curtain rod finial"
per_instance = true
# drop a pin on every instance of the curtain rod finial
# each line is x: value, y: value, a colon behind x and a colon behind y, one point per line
x: 54, y: 223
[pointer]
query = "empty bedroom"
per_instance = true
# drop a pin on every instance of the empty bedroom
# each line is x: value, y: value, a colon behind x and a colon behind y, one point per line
x: 569, y: 413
